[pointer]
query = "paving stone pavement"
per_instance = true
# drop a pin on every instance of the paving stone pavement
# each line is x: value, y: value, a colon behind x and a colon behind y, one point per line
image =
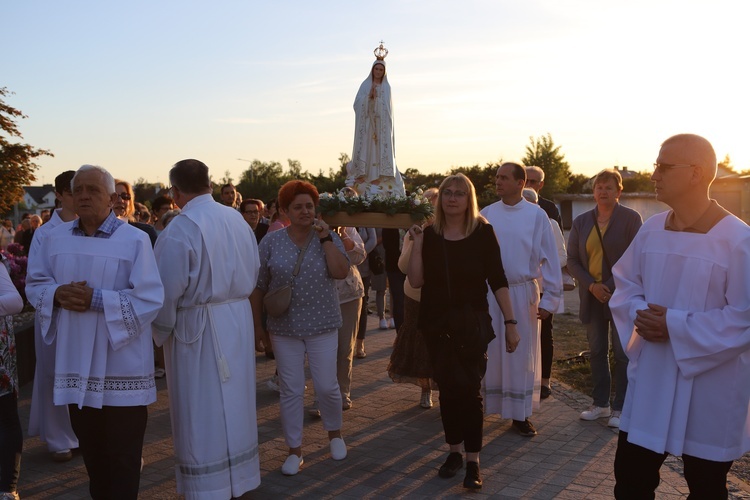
x: 395, y: 448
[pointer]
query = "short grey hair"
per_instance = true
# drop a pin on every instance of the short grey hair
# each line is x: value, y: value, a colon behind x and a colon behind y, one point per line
x: 538, y: 170
x: 109, y: 181
x: 530, y: 195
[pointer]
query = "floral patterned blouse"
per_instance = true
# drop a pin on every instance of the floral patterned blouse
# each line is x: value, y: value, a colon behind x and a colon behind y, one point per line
x: 10, y: 301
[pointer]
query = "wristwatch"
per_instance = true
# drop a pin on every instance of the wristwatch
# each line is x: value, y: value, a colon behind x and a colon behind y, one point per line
x: 510, y: 322
x: 326, y: 238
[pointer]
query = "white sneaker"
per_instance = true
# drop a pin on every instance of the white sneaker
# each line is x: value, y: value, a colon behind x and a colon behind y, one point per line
x: 383, y: 324
x: 291, y: 465
x: 391, y: 324
x: 426, y: 399
x: 614, y: 420
x: 596, y: 412
x: 338, y: 449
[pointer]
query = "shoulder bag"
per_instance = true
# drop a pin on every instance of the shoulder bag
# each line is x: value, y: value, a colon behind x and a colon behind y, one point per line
x: 276, y: 302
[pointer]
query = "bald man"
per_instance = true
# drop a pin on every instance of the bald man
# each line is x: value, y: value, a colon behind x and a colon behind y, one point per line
x: 682, y: 310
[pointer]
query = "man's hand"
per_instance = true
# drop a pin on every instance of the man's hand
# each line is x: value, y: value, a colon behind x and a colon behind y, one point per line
x: 651, y: 323
x: 543, y: 314
x: 74, y: 297
x: 601, y: 292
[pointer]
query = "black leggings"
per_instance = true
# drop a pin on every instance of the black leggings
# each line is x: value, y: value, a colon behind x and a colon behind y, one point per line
x: 11, y: 443
x: 458, y: 374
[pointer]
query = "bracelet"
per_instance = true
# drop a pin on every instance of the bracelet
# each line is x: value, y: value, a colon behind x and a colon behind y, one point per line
x: 510, y: 322
x: 326, y: 238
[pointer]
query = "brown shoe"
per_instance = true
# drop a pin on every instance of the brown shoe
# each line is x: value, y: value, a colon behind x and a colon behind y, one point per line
x: 62, y: 456
x: 525, y: 428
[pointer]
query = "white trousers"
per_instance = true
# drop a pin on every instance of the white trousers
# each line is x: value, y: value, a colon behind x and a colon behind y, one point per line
x: 321, y: 353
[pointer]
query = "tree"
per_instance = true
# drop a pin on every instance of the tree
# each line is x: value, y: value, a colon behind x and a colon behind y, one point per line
x: 543, y: 153
x: 16, y: 159
x: 639, y: 183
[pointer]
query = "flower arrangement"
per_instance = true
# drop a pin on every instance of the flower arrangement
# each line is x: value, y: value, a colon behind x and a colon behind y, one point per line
x: 16, y: 263
x: 414, y: 204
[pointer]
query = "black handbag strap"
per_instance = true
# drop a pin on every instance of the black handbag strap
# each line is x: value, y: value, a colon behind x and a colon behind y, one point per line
x: 601, y: 240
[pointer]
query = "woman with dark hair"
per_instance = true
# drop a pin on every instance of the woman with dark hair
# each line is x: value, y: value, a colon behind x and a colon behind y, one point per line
x: 452, y: 261
x: 597, y: 240
x: 310, y: 324
x: 251, y: 212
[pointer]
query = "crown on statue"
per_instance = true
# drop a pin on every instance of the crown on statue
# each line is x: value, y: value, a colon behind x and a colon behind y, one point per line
x: 380, y: 52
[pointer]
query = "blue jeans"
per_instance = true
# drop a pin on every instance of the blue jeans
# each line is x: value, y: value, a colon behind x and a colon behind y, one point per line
x: 598, y: 331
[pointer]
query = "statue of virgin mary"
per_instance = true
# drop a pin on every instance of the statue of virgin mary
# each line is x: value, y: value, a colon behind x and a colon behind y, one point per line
x: 372, y: 169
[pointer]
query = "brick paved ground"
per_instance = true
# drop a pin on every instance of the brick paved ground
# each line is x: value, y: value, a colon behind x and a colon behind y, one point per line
x: 395, y: 448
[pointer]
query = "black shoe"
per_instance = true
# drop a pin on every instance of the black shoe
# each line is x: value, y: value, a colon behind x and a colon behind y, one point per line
x: 545, y: 392
x: 452, y: 464
x: 472, y: 479
x: 524, y: 427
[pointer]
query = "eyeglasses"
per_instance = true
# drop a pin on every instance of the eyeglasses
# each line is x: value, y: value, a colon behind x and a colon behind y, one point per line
x: 454, y: 194
x: 663, y: 167
x: 124, y: 196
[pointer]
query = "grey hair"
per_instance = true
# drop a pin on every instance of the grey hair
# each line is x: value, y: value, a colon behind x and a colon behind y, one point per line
x: 536, y: 169
x: 530, y: 195
x: 109, y: 181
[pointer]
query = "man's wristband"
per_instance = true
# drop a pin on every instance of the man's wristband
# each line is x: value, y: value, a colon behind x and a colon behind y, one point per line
x: 326, y: 238
x: 510, y: 322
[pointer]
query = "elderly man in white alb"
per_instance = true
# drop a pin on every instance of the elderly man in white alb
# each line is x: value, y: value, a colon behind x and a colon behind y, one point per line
x: 513, y: 380
x: 208, y: 259
x: 47, y: 420
x: 96, y: 291
x: 682, y: 309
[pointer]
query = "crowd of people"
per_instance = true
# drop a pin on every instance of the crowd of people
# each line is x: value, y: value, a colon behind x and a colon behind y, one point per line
x: 196, y: 287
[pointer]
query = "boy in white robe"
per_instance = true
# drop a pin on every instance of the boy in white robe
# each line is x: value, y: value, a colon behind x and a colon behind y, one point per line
x: 682, y: 307
x: 208, y: 259
x: 513, y: 380
x: 96, y: 291
x: 48, y: 421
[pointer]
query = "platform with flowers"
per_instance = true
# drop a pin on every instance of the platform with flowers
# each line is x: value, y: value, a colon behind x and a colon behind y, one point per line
x: 383, y: 211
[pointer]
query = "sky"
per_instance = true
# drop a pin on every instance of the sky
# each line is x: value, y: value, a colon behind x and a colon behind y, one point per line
x: 135, y: 86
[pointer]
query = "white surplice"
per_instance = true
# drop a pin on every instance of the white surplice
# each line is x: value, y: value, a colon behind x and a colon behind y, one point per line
x: 691, y: 394
x: 527, y: 245
x: 208, y: 259
x: 103, y: 358
x: 47, y: 420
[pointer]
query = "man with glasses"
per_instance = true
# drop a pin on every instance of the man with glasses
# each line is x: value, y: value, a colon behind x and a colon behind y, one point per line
x: 160, y: 206
x: 681, y: 309
x: 527, y: 244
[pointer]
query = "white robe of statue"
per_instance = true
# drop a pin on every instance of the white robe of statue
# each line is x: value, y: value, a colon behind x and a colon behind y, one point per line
x: 690, y: 394
x: 372, y: 169
x: 208, y: 258
x: 513, y: 380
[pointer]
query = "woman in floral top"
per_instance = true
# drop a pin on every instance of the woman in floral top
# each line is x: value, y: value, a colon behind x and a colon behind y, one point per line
x: 11, y: 437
